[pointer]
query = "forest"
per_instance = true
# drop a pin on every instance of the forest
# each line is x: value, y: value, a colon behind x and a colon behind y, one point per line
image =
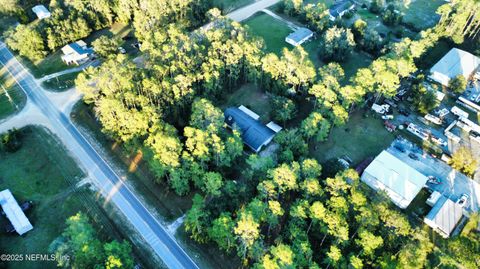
x: 281, y: 211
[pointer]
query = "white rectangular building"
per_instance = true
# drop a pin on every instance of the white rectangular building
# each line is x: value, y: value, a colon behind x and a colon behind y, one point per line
x: 14, y: 213
x: 444, y: 216
x: 455, y: 62
x: 41, y: 11
x: 400, y: 181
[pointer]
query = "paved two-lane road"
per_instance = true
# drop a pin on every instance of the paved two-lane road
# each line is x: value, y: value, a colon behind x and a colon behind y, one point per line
x: 110, y: 184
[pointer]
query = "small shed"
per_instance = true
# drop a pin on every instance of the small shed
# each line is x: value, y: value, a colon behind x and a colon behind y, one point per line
x: 298, y: 37
x: 41, y: 11
x: 14, y: 213
x: 444, y: 216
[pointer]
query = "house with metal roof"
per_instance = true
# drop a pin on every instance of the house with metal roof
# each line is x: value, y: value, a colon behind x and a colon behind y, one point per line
x: 298, y: 37
x: 339, y: 8
x: 14, y: 213
x: 254, y: 133
x: 41, y: 11
x: 76, y: 53
x: 455, y: 62
x: 400, y: 181
x: 444, y: 215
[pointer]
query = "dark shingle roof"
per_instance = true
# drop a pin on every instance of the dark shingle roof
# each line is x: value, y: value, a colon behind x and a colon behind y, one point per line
x: 339, y: 7
x: 254, y: 133
x: 300, y: 34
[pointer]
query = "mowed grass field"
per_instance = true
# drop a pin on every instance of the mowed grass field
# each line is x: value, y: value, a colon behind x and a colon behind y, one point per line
x: 61, y: 83
x: 12, y: 98
x: 41, y: 171
x: 360, y: 138
x: 229, y: 5
x: 251, y: 96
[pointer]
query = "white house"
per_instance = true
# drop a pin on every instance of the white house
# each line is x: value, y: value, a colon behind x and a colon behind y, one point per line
x: 76, y: 53
x: 299, y: 36
x: 41, y: 11
x: 14, y: 213
x: 455, y: 62
x: 400, y: 181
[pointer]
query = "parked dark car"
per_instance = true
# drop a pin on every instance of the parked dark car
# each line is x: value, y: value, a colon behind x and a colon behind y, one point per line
x: 404, y: 112
x: 9, y: 228
x: 399, y: 148
x: 413, y: 156
x: 26, y: 206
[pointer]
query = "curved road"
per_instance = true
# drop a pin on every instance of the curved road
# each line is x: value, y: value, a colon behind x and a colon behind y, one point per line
x: 110, y: 184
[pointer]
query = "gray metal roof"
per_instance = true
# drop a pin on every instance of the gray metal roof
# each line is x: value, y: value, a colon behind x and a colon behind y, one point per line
x: 339, y: 7
x: 254, y: 133
x: 300, y: 34
x: 445, y: 214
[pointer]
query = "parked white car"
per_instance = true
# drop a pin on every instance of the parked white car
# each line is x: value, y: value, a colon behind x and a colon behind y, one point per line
x: 387, y: 117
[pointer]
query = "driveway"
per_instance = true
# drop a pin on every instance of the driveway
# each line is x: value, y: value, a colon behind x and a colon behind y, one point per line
x: 453, y: 183
x: 246, y: 12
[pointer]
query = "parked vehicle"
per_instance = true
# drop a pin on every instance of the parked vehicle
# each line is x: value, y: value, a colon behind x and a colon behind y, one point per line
x: 25, y: 206
x: 122, y: 50
x: 463, y: 201
x: 387, y: 117
x: 404, y: 112
x: 9, y: 228
x: 399, y: 148
x: 413, y: 156
x: 433, y: 119
x: 434, y: 180
x: 439, y: 141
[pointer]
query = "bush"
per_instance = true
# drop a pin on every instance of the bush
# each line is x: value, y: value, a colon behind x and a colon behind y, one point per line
x: 11, y: 141
x: 458, y: 84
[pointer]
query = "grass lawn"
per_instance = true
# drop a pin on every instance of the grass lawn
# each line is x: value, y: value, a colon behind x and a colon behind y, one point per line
x: 271, y: 30
x: 51, y: 64
x: 434, y: 54
x: 61, y: 83
x: 12, y: 98
x: 422, y: 13
x: 356, y: 61
x: 360, y: 138
x: 251, y: 96
x: 43, y: 172
x: 229, y: 5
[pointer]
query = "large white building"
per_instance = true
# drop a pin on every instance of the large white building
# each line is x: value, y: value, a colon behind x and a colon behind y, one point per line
x: 14, y: 213
x: 455, y: 62
x: 444, y: 216
x: 41, y: 11
x: 400, y: 181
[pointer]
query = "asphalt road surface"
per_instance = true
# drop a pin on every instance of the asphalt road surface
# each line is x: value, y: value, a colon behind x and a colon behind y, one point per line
x: 110, y: 184
x: 245, y: 12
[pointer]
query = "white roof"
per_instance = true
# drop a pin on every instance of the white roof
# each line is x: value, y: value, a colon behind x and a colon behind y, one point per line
x: 14, y: 212
x: 400, y: 181
x: 455, y: 62
x: 274, y: 127
x: 41, y: 11
x: 249, y: 112
x: 444, y: 216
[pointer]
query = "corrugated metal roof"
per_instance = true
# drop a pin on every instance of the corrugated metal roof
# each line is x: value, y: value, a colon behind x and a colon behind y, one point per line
x: 14, y: 213
x: 254, y: 133
x: 401, y: 181
x: 455, y: 62
x: 444, y: 215
x: 339, y: 7
x: 300, y: 34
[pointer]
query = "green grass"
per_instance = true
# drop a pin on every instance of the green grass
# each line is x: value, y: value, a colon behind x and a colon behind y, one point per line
x: 12, y: 98
x: 61, y: 83
x: 356, y: 61
x: 360, y: 138
x: 423, y: 13
x: 434, y: 54
x: 51, y: 64
x: 229, y: 5
x: 271, y: 30
x: 41, y: 171
x: 251, y: 96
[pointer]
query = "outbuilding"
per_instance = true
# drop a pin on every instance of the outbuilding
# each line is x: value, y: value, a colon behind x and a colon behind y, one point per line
x: 14, y: 213
x: 41, y: 11
x: 455, y: 62
x: 400, y: 181
x: 298, y: 37
x: 254, y: 133
x: 444, y: 215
